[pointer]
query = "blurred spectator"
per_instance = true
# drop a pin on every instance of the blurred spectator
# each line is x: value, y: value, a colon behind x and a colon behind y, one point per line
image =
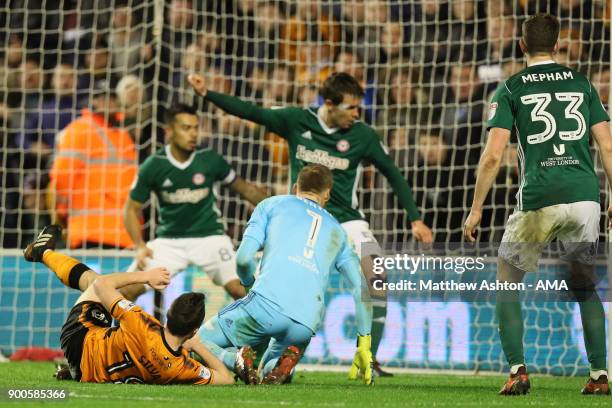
x: 94, y: 167
x: 27, y: 87
x: 195, y: 59
x: 503, y: 46
x: 135, y: 105
x: 600, y: 78
x: 429, y: 30
x: 56, y: 112
x: 393, y: 43
x: 497, y: 8
x: 42, y: 125
x: 462, y: 116
x: 399, y: 107
x: 442, y: 192
x: 362, y: 25
x: 511, y: 67
x: 279, y: 90
x: 576, y: 10
x: 179, y: 32
x: 309, y: 39
x: 209, y: 41
x: 129, y: 43
x: 502, y: 35
x: 268, y: 17
x: 38, y: 24
x: 256, y: 81
x: 10, y: 171
x: 571, y: 51
x: 468, y: 30
x: 95, y: 59
x: 14, y: 52
x: 402, y: 149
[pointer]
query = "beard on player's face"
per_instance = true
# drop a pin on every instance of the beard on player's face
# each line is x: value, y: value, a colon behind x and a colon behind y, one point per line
x: 182, y: 141
x: 342, y: 119
x: 185, y: 144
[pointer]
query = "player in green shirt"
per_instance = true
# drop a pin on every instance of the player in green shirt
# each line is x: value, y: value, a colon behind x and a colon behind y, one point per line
x: 553, y: 108
x: 333, y: 136
x: 190, y: 229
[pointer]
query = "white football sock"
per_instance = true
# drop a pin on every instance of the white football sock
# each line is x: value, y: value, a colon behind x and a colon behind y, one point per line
x: 596, y: 374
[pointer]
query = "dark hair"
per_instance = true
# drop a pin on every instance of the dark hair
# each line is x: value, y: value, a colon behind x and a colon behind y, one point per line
x: 540, y: 33
x: 339, y: 84
x: 315, y: 178
x: 185, y: 314
x: 177, y: 109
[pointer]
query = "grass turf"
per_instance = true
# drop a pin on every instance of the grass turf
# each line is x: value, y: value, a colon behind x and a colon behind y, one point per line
x: 309, y: 389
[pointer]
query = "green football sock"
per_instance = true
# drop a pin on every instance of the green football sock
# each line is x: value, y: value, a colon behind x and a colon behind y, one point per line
x: 510, y: 319
x: 379, y: 316
x: 594, y: 327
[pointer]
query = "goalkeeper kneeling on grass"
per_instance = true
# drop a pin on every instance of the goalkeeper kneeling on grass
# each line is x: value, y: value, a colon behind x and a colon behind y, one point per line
x: 302, y: 243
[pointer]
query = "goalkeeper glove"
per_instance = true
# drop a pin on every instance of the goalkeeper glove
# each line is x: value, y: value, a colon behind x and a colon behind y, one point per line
x: 362, y: 363
x: 247, y: 288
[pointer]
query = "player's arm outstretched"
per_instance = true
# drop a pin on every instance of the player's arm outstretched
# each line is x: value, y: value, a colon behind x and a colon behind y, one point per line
x: 601, y: 134
x: 383, y: 162
x: 348, y: 264
x: 106, y: 286
x: 488, y: 168
x: 273, y: 119
x: 247, y: 191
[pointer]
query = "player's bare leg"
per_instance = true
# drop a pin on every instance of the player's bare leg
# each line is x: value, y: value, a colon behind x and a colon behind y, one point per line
x: 235, y: 289
x: 510, y: 317
x: 379, y: 316
x: 582, y: 282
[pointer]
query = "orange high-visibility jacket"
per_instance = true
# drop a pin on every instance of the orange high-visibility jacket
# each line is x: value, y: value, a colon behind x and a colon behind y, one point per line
x: 93, y: 170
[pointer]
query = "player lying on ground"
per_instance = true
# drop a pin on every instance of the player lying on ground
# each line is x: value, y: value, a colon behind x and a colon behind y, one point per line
x: 190, y: 230
x: 302, y: 243
x: 334, y: 136
x: 140, y: 349
x: 552, y: 107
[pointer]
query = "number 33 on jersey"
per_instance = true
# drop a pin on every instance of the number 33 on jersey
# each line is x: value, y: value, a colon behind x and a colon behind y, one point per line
x: 552, y: 108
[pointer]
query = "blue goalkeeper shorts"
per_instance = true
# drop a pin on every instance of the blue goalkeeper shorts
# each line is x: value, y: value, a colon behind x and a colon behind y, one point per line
x: 254, y: 320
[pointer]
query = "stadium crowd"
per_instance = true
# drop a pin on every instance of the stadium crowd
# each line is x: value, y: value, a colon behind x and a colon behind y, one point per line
x: 428, y: 68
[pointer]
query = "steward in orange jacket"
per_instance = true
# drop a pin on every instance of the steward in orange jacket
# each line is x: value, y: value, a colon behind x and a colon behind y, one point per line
x: 95, y: 164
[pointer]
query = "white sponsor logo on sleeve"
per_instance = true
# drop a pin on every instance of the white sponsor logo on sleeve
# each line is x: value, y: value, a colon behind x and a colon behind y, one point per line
x: 204, y: 373
x: 125, y: 304
x: 492, y: 110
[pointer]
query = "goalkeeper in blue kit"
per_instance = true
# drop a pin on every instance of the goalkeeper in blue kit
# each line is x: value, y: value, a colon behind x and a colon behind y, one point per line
x: 302, y: 244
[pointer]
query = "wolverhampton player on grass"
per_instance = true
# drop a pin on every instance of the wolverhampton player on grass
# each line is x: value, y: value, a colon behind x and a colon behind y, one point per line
x: 554, y: 109
x: 333, y: 136
x: 140, y: 349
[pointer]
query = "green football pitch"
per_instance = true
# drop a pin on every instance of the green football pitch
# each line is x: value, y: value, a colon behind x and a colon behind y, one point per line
x: 309, y: 389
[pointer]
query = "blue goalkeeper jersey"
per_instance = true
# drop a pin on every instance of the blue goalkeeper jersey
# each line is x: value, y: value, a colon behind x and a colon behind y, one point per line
x: 302, y: 243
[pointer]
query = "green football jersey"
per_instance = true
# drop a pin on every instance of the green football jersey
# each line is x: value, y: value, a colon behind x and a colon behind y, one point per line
x: 185, y: 192
x: 343, y: 151
x: 552, y: 108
